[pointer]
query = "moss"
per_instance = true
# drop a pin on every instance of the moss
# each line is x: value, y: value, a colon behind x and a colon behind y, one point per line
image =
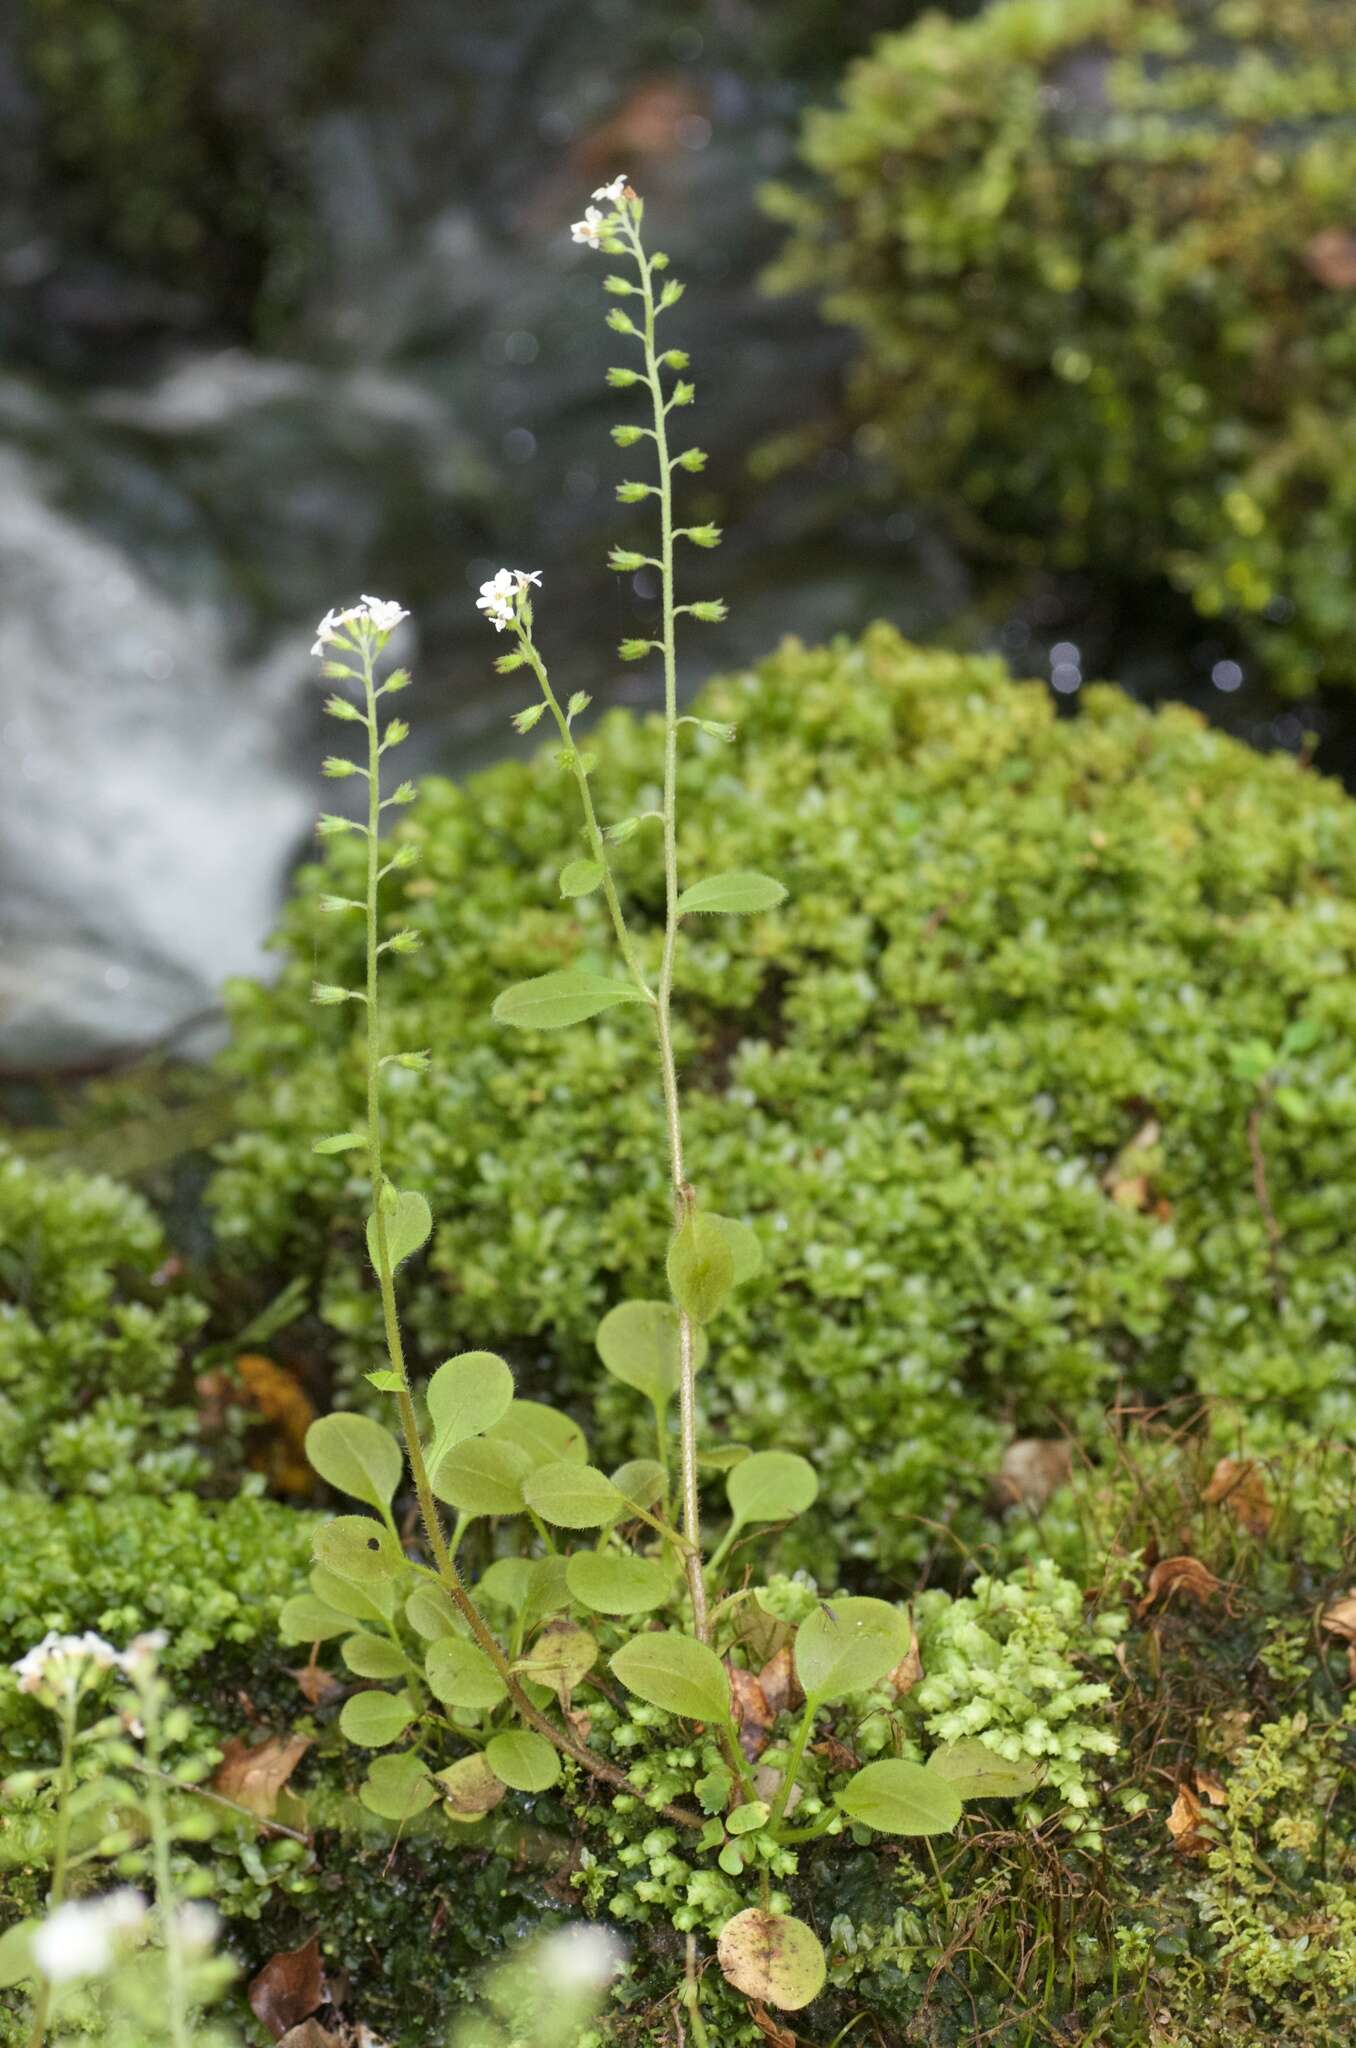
x: 974, y: 1086
x: 1098, y: 253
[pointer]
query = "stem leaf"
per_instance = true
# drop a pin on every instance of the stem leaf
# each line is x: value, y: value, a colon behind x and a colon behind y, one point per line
x: 612, y: 1584
x: 701, y: 1267
x: 408, y: 1226
x: 580, y: 877
x: 734, y: 894
x: 901, y: 1798
x: 549, y: 1002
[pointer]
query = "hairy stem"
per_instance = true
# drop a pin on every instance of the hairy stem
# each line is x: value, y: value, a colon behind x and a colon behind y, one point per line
x: 171, y: 1933
x: 61, y: 1842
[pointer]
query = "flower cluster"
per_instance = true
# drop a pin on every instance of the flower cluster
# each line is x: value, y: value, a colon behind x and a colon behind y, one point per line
x: 380, y: 614
x: 595, y: 224
x: 81, y: 1938
x: 498, y: 598
x: 59, y: 1665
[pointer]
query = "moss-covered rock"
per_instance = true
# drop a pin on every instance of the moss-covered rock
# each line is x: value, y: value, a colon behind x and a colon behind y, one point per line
x: 1099, y: 253
x: 992, y: 1086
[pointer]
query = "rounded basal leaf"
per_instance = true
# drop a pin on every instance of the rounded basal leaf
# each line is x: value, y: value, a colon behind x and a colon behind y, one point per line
x: 470, y: 1789
x: 612, y: 1584
x: 430, y: 1613
x: 771, y: 1486
x: 640, y: 1480
x: 483, y: 1476
x: 373, y: 1601
x: 772, y: 1958
x: 746, y: 1252
x: 355, y: 1547
x: 304, y: 1619
x: 748, y: 1818
x: 638, y: 1343
x: 547, y: 1591
x: 977, y: 1772
x: 571, y: 1496
x: 561, y: 1657
x: 901, y: 1798
x: 505, y: 1582
x: 579, y: 877
x: 735, y: 894
x: 848, y: 1646
x: 551, y: 1001
x: 372, y: 1719
x: 467, y: 1395
x: 397, y: 1787
x: 357, y: 1456
x: 408, y: 1226
x: 700, y: 1268
x: 544, y: 1434
x: 370, y: 1656
x: 525, y: 1761
x: 670, y: 1670
x: 461, y: 1675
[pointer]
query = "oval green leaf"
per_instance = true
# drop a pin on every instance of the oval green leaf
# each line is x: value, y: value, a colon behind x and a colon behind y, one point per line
x: 304, y: 1619
x: 571, y: 1496
x: 408, y: 1226
x: 357, y: 1456
x: 461, y: 1675
x: 901, y: 1798
x: 640, y: 1480
x: 373, y: 1601
x: 771, y: 1486
x: 342, y: 1141
x: 667, y: 1669
x: 525, y: 1761
x: 397, y: 1787
x: 745, y: 1248
x: 358, y: 1548
x: 638, y: 1343
x: 736, y: 893
x: 612, y: 1584
x: 466, y: 1396
x: 370, y: 1656
x: 430, y: 1613
x: 978, y: 1772
x: 849, y: 1646
x: 483, y: 1476
x: 700, y: 1268
x: 372, y: 1719
x: 544, y: 1434
x: 579, y: 877
x: 772, y: 1958
x: 551, y: 1001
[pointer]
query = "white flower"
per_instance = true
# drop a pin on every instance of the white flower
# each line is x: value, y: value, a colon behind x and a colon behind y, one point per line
x: 77, y: 1940
x: 143, y: 1651
x: 196, y: 1926
x: 590, y: 228
x: 61, y: 1661
x: 614, y: 191
x: 525, y: 576
x: 496, y: 598
x: 578, y: 1959
x: 384, y: 613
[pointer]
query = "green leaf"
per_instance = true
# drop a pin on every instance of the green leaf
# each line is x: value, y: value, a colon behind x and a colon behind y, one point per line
x: 470, y: 1789
x: 579, y: 877
x: 407, y: 1227
x: 724, y: 1457
x: 544, y: 1434
x: 397, y: 1787
x: 372, y: 1719
x: 356, y: 1455
x: 901, y: 1798
x: 385, y: 1381
x: 342, y: 1141
x: 461, y: 1675
x: 571, y: 1496
x: 373, y: 1601
x: 613, y: 1584
x: 467, y: 1395
x: 304, y: 1619
x: 748, y: 1818
x: 569, y: 996
x: 563, y: 1655
x: 16, y: 1954
x: 640, y: 1480
x: 735, y: 894
x: 525, y: 1761
x: 746, y: 1253
x: 771, y: 1486
x: 430, y: 1613
x: 483, y: 1476
x: 672, y: 1671
x: 358, y: 1548
x: 849, y: 1646
x: 370, y: 1656
x: 700, y: 1267
x: 505, y: 1581
x: 977, y: 1772
x: 713, y: 1791
x: 547, y: 1591
x: 638, y: 1343
x: 772, y: 1958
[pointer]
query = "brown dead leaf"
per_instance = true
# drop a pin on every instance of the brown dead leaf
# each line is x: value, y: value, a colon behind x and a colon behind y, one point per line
x: 1184, y: 1823
x: 773, y: 2032
x: 1172, y: 1575
x: 840, y: 1757
x: 1340, y: 1618
x: 1033, y: 1468
x: 1331, y: 257
x: 1238, y: 1485
x: 315, y: 1684
x: 289, y: 1988
x: 753, y: 1716
x: 908, y: 1671
x: 310, y: 2034
x: 254, y: 1775
x: 781, y: 1687
x: 283, y: 1404
x: 1210, y: 1788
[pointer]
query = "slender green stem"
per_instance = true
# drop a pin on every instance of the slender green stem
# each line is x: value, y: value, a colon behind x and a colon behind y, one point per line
x: 68, y: 1714
x: 176, y: 1990
x: 793, y: 1763
x: 682, y: 1196
x: 691, y: 1996
x: 409, y: 1421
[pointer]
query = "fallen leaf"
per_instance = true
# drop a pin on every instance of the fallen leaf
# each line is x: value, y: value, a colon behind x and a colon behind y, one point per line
x: 908, y: 1671
x: 310, y: 2034
x: 752, y: 1714
x: 1210, y: 1788
x: 1178, y: 1575
x: 1184, y: 1823
x: 470, y: 1789
x: 1033, y: 1468
x: 1340, y: 1618
x: 772, y: 2030
x: 1238, y: 1484
x: 289, y: 1988
x: 840, y: 1757
x: 1331, y: 258
x: 282, y: 1403
x: 254, y: 1775
x: 781, y: 1687
x: 315, y: 1684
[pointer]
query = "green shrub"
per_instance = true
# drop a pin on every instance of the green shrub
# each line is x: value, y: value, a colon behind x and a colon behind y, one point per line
x: 1100, y: 259
x: 989, y: 1087
x: 90, y: 1339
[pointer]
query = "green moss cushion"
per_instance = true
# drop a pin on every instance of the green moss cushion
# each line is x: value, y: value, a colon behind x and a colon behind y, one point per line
x: 992, y: 1085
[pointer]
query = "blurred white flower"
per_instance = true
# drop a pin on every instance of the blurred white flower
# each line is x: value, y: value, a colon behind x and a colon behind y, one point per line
x: 196, y: 1926
x: 590, y: 228
x: 525, y: 576
x: 78, y: 1939
x: 384, y: 613
x: 143, y: 1650
x: 61, y: 1661
x: 581, y: 1958
x: 614, y: 191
